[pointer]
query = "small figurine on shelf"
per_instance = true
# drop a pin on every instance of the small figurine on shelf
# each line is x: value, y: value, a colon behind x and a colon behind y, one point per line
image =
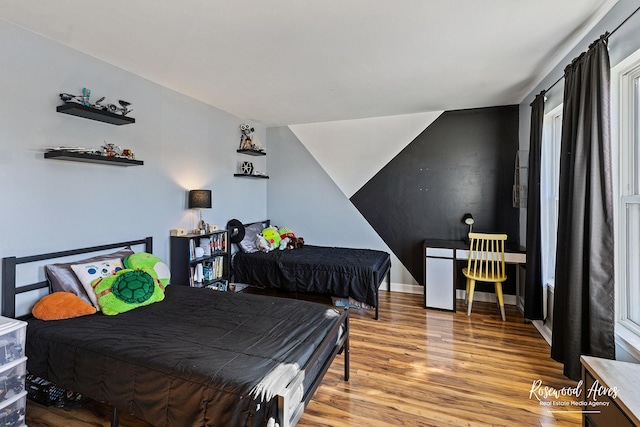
x: 247, y: 140
x: 111, y: 150
x: 86, y: 94
x: 246, y: 137
x: 113, y: 108
x: 83, y: 99
x: 129, y: 154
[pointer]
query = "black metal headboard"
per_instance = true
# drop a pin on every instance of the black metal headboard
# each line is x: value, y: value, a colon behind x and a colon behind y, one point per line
x: 234, y: 226
x: 9, y: 289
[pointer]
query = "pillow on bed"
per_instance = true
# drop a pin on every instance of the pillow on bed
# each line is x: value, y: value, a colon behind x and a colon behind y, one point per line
x: 128, y: 289
x: 91, y: 271
x: 144, y: 259
x: 61, y: 305
x: 62, y: 278
x: 248, y: 244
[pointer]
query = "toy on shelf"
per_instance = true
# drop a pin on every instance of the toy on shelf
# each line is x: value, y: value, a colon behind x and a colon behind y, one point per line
x: 83, y: 99
x: 247, y: 140
x: 112, y: 150
x: 107, y: 150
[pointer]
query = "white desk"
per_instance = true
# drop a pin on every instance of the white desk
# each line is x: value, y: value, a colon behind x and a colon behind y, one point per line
x: 440, y: 270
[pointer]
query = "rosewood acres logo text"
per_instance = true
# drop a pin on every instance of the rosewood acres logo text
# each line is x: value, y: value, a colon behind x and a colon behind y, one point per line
x: 572, y: 396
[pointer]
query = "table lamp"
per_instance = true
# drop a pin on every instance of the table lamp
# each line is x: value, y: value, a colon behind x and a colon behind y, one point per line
x: 200, y: 199
x: 468, y: 220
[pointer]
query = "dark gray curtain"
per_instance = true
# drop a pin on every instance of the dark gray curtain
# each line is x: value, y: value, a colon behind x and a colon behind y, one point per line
x: 533, y: 308
x: 583, y: 313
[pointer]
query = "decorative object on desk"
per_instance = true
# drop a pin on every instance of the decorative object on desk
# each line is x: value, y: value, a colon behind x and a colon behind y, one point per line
x: 212, y: 227
x: 246, y: 168
x: 468, y: 220
x: 200, y: 199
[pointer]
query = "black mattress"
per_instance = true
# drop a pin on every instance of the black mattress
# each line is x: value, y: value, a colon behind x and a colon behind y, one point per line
x: 341, y: 272
x: 200, y: 357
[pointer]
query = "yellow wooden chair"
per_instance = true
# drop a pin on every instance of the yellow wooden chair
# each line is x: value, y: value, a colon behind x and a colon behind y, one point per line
x: 485, y: 264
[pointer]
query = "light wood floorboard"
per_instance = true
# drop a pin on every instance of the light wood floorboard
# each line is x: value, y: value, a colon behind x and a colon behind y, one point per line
x: 416, y: 367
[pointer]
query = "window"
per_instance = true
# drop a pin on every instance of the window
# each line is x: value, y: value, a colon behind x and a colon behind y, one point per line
x: 626, y: 80
x: 549, y: 189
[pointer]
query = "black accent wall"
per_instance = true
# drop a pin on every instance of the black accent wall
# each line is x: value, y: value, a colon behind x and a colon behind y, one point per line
x: 463, y: 162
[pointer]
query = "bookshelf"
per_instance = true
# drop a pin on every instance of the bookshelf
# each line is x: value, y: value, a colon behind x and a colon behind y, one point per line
x: 200, y: 260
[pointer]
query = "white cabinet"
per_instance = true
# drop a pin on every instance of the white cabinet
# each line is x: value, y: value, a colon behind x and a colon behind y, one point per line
x: 439, y: 275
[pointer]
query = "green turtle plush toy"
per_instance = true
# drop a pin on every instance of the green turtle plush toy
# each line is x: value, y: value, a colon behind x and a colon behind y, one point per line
x: 128, y: 289
x: 144, y: 259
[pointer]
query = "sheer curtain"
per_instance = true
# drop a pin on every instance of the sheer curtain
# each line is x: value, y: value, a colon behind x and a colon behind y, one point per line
x: 583, y: 311
x: 549, y: 174
x: 534, y: 287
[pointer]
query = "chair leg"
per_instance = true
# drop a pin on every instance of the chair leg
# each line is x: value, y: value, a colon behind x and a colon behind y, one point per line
x: 471, y: 285
x: 500, y: 299
x: 466, y: 292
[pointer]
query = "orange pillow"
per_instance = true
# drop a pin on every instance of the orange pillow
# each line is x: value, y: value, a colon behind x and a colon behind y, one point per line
x: 61, y: 305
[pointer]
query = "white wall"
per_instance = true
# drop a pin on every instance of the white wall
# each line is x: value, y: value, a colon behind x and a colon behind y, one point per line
x: 51, y: 205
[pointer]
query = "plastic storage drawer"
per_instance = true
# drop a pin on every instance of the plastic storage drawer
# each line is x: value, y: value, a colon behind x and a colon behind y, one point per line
x: 12, y: 377
x: 12, y: 411
x: 12, y: 339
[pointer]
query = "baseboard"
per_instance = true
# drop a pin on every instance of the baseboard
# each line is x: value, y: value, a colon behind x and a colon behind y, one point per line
x: 477, y: 296
x: 487, y: 297
x: 544, y: 330
x: 404, y: 287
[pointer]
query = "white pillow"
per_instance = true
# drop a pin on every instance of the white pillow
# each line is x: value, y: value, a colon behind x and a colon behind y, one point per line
x: 91, y: 271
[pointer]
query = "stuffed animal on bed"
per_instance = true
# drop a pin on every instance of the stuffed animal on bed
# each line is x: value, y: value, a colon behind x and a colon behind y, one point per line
x: 289, y: 239
x: 128, y: 289
x: 262, y: 244
x: 144, y: 259
x: 271, y: 235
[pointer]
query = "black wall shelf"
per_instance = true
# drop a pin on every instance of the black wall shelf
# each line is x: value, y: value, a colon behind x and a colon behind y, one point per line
x: 83, y: 111
x: 252, y: 152
x: 251, y: 176
x: 91, y: 158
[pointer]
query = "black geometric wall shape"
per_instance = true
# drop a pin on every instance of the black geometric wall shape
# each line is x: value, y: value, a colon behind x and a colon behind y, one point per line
x: 463, y: 162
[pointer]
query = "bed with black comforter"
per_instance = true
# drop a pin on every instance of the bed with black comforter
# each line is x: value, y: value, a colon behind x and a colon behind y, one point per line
x: 342, y: 272
x: 198, y: 358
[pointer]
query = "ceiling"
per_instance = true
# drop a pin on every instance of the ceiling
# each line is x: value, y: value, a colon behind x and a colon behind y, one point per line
x: 283, y: 62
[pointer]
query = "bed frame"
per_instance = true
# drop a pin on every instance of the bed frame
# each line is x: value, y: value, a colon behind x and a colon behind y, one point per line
x: 288, y: 414
x: 378, y: 278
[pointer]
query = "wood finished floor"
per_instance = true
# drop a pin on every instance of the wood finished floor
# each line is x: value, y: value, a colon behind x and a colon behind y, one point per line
x: 415, y: 367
